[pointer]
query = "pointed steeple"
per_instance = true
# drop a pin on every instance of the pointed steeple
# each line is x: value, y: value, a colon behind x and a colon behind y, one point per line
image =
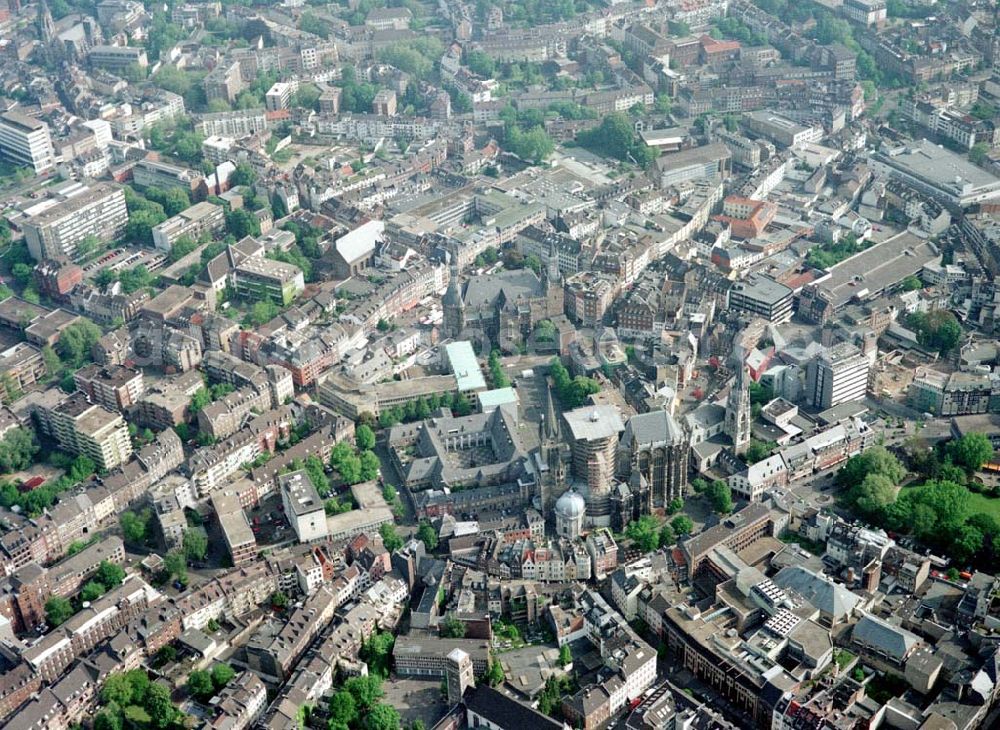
x: 452, y: 304
x: 46, y: 26
x: 549, y: 419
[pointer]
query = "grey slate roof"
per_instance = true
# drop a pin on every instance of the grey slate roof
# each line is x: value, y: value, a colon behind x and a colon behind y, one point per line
x: 820, y: 591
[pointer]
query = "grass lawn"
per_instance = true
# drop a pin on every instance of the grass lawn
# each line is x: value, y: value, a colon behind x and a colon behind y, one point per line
x: 981, y: 503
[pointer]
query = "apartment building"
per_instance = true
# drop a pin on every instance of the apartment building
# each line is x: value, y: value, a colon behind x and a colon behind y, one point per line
x: 90, y: 429
x: 224, y: 82
x: 193, y: 222
x: 234, y: 124
x: 23, y: 366
x: 73, y: 211
x: 113, y: 386
x: 235, y: 527
x: 26, y: 142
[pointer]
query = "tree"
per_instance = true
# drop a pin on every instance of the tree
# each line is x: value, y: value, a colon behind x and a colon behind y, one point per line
x: 453, y: 628
x: 667, y: 536
x: 242, y: 175
x: 720, y: 496
x: 166, y: 655
x: 92, y: 590
x: 241, y: 224
x: 565, y: 657
x: 497, y: 375
x: 382, y: 717
x: 17, y: 450
x: 57, y: 610
x: 877, y: 460
x: 757, y: 451
x: 971, y: 451
x: 195, y: 544
x: 222, y: 674
x: 873, y: 495
x: 675, y: 505
x: 76, y: 341
x: 938, y: 329
x: 615, y: 137
x: 364, y: 437
x: 369, y: 466
x: 199, y: 684
x: 480, y: 64
x: 201, y: 398
x: 133, y: 527
x: 979, y: 153
x: 911, y: 283
x: 427, y: 535
x: 157, y: 703
x: 365, y: 690
x: 109, y: 718
x: 376, y: 652
x: 390, y: 538
x: 644, y: 532
x: 175, y: 565
x: 263, y: 312
x: 966, y: 542
x: 343, y: 709
x: 279, y: 601
x: 682, y: 525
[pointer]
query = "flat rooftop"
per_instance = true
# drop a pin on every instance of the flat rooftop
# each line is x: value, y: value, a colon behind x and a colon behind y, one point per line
x: 869, y: 273
x: 465, y: 366
x: 940, y: 166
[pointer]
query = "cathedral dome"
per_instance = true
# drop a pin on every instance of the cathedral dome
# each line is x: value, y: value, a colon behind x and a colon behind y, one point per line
x: 571, y: 506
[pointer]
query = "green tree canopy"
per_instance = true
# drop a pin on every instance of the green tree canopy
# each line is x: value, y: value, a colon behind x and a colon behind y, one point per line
x: 76, y: 341
x: 720, y: 496
x: 364, y: 437
x: 57, y: 610
x: 644, y: 532
x: 427, y: 535
x: 971, y: 451
x: 682, y: 525
x: 390, y: 538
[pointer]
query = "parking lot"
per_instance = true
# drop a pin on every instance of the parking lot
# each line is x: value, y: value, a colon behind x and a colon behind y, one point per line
x: 267, y: 520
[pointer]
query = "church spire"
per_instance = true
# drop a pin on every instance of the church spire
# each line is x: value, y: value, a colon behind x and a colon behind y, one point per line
x: 738, y: 410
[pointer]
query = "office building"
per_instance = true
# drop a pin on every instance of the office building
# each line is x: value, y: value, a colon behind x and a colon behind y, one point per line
x: 837, y: 376
x: 55, y: 227
x: 193, y: 222
x: 26, y: 142
x: 781, y: 130
x: 117, y: 58
x: 762, y: 297
x: 153, y: 174
x: 303, y: 506
x: 91, y: 430
x: 261, y: 278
